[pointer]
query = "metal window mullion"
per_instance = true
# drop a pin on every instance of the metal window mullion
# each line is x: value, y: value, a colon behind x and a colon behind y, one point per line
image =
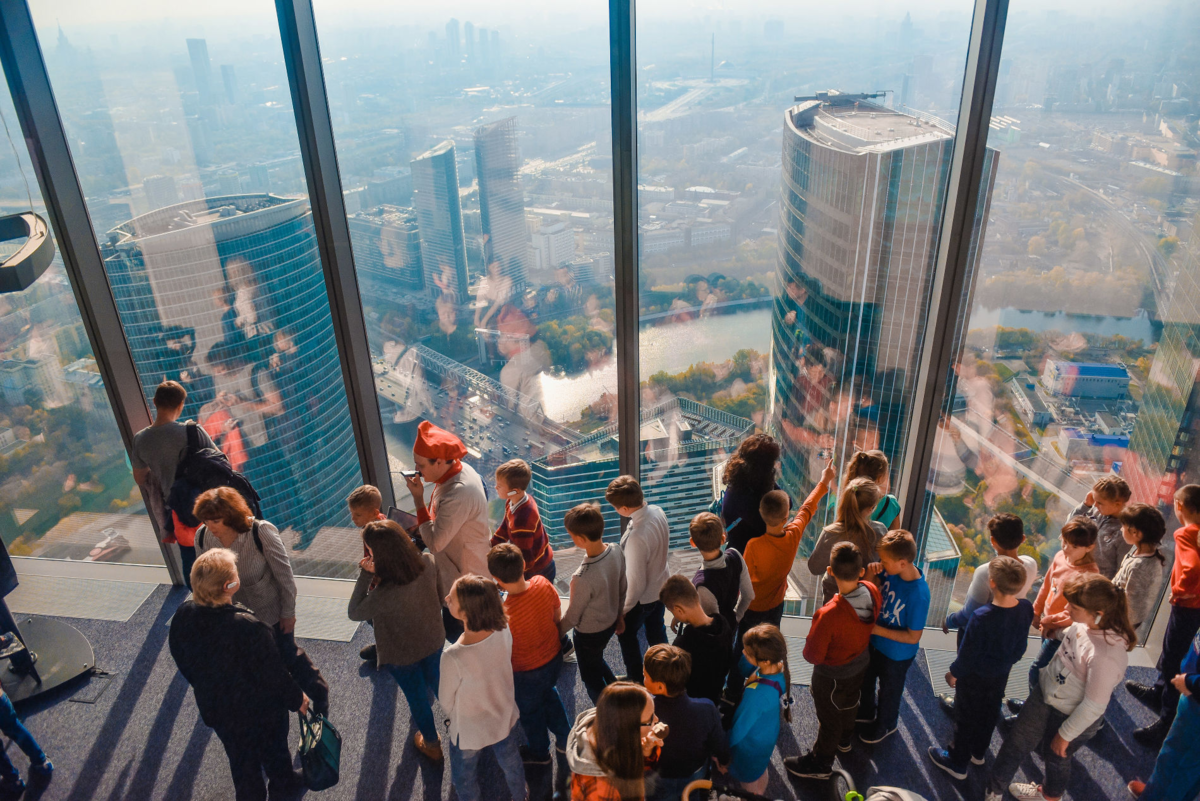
x: 954, y: 247
x: 50, y: 152
x: 302, y: 55
x: 623, y: 74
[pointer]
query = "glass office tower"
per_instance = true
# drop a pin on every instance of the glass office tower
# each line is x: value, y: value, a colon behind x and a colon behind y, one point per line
x: 439, y: 218
x: 502, y: 202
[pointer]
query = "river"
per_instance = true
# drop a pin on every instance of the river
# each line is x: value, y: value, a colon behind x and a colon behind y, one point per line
x: 1139, y: 327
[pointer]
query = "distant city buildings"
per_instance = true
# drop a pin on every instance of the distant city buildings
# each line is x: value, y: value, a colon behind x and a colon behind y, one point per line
x: 1086, y: 380
x: 502, y: 199
x: 160, y: 191
x: 553, y: 245
x: 439, y: 219
x: 387, y: 246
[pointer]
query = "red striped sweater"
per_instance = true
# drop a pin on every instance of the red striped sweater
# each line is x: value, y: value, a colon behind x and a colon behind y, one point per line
x: 522, y: 526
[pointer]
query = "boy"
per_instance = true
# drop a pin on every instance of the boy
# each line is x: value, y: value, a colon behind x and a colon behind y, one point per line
x: 1103, y: 505
x: 723, y: 580
x: 993, y: 640
x: 598, y: 589
x: 534, y: 611
x: 364, y: 503
x: 1181, y: 625
x: 644, y: 545
x: 895, y: 636
x: 707, y: 640
x: 522, y: 525
x: 1007, y: 535
x: 695, y: 735
x: 837, y: 647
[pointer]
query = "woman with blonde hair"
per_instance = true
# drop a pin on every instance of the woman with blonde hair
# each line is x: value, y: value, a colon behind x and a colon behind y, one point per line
x: 242, y: 687
x: 854, y: 524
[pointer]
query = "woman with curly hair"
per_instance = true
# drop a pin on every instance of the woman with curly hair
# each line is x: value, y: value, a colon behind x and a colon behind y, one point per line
x: 749, y: 475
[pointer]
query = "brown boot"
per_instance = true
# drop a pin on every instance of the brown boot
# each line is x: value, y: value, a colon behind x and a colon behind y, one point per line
x: 432, y: 750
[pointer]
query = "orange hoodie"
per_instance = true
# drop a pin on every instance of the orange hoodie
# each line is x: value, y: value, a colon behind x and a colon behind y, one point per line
x: 1185, y: 574
x: 770, y: 557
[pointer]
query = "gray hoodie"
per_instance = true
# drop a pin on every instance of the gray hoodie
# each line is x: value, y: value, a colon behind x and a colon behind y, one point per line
x: 580, y: 757
x: 1110, y: 542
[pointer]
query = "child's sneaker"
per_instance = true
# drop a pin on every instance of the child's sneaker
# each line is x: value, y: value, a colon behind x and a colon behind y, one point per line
x: 977, y: 760
x: 807, y: 767
x: 941, y: 757
x: 847, y: 743
x: 993, y: 796
x: 1136, y: 788
x: 875, y: 734
x: 946, y: 702
x: 1027, y: 791
x: 43, y: 768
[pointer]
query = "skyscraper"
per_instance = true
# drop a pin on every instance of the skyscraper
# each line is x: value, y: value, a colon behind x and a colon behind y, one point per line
x: 227, y: 296
x: 160, y: 191
x: 861, y: 204
x: 229, y: 78
x: 501, y: 199
x: 469, y: 40
x: 439, y: 220
x: 201, y: 70
x: 452, y: 39
x: 387, y: 246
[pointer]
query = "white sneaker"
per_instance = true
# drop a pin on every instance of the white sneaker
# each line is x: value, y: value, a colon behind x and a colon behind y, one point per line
x: 990, y: 796
x: 1027, y: 791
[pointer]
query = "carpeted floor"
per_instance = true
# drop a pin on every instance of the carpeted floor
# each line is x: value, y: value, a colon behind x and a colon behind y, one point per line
x: 142, y: 738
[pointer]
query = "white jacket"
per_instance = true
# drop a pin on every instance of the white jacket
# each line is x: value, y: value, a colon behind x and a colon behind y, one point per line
x: 459, y: 533
x: 1081, y: 677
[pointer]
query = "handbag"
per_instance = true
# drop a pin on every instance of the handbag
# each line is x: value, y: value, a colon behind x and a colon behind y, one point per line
x: 320, y: 752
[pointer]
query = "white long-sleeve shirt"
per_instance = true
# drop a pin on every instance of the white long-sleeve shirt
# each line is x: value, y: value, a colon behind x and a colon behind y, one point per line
x: 1080, y: 679
x: 476, y: 690
x: 644, y: 544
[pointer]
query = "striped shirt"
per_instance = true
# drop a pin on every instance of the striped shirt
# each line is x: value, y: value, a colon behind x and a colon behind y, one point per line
x: 522, y: 526
x: 267, y: 585
x: 531, y: 618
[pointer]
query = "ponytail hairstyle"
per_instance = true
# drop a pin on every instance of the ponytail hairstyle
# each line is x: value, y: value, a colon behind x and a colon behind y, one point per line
x: 616, y: 735
x: 766, y: 642
x: 858, y: 501
x: 1106, y: 601
x: 866, y: 464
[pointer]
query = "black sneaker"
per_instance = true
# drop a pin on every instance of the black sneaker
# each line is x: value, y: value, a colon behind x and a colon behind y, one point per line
x: 941, y: 758
x: 531, y: 757
x: 12, y: 788
x: 977, y: 760
x: 807, y: 767
x: 1152, y: 736
x: 846, y: 744
x: 1015, y: 704
x: 946, y: 702
x: 369, y: 653
x: 865, y: 721
x: 875, y: 734
x: 1145, y: 693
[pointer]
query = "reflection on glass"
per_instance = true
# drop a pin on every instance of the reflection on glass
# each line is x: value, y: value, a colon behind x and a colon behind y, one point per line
x: 188, y: 156
x: 476, y: 162
x: 1079, y: 344
x: 66, y: 488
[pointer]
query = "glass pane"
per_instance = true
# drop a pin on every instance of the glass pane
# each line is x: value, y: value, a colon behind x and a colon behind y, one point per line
x: 66, y: 487
x: 476, y: 161
x: 791, y: 187
x: 1079, y: 338
x: 186, y: 146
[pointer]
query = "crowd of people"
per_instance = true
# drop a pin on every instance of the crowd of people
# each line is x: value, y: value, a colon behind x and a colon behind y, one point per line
x: 475, y: 624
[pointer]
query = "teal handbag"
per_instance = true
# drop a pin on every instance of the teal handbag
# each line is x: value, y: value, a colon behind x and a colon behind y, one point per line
x: 320, y: 752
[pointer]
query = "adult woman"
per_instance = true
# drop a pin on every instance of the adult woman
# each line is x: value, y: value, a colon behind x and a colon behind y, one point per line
x: 749, y: 475
x: 242, y: 686
x: 267, y: 587
x: 397, y: 591
x: 612, y: 745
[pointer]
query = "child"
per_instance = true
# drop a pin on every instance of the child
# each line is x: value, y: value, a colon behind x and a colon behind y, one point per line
x: 853, y: 524
x: 476, y: 688
x: 874, y: 465
x: 597, y: 598
x: 1141, y: 570
x: 767, y: 697
x: 993, y: 640
x: 707, y: 640
x: 533, y: 610
x: 837, y: 647
x: 613, y: 745
x: 723, y: 580
x: 39, y: 764
x: 1067, y: 705
x: 1181, y: 625
x: 364, y: 504
x: 895, y: 636
x: 1103, y: 505
x: 1177, y: 771
x: 1050, y: 609
x: 644, y: 545
x: 522, y: 525
x: 694, y: 736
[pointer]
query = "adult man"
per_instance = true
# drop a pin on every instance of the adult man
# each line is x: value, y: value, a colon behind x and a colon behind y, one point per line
x: 455, y: 523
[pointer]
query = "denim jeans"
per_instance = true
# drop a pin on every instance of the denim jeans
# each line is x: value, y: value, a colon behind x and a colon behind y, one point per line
x: 649, y: 616
x: 976, y: 706
x: 15, y: 730
x: 1049, y: 649
x: 1177, y: 640
x: 464, y: 768
x: 594, y: 672
x: 541, y: 709
x: 1176, y: 775
x: 735, y: 685
x: 890, y: 675
x: 419, y: 683
x: 1037, y: 723
x: 550, y: 573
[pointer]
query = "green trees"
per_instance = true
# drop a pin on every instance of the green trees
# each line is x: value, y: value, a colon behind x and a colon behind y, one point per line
x: 573, y: 343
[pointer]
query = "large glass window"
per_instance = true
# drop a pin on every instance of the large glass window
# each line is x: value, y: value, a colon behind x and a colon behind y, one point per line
x: 786, y: 243
x: 476, y: 160
x: 185, y: 142
x: 1080, y: 348
x: 66, y: 487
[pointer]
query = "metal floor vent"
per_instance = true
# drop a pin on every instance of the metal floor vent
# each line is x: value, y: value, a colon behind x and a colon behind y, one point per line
x: 94, y: 599
x: 939, y: 662
x: 323, y: 619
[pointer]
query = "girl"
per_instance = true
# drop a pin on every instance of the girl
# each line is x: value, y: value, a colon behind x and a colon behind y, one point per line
x: 1141, y: 571
x: 756, y: 721
x: 874, y: 465
x: 476, y: 689
x: 397, y: 590
x: 854, y: 524
x: 1067, y: 705
x: 614, y: 744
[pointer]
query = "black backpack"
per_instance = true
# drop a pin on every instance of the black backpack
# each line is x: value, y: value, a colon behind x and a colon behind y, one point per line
x: 203, y: 469
x: 200, y: 532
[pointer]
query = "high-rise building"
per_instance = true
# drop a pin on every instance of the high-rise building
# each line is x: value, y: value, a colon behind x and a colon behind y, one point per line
x: 861, y: 202
x: 160, y: 191
x: 387, y: 246
x: 452, y: 39
x: 229, y: 79
x: 439, y: 220
x: 227, y: 296
x: 469, y: 40
x: 201, y: 70
x: 501, y: 199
